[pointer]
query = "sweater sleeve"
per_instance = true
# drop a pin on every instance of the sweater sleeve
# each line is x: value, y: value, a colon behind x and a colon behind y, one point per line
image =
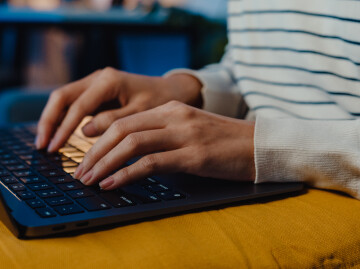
x: 221, y: 94
x: 323, y: 154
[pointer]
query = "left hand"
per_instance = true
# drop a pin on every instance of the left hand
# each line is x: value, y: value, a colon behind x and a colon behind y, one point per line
x: 174, y: 138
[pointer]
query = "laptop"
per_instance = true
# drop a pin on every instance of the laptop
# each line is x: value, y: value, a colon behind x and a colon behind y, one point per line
x: 39, y: 197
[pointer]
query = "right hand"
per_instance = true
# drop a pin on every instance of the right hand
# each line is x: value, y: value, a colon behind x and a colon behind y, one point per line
x: 68, y: 105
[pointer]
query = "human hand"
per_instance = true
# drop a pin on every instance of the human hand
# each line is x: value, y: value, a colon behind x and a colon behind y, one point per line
x: 68, y: 105
x: 175, y: 138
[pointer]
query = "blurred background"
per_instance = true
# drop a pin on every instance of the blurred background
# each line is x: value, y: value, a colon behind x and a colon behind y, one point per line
x: 47, y: 43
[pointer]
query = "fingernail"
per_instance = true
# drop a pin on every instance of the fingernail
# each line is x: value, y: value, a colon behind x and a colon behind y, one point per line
x: 106, y: 183
x: 89, y: 129
x: 78, y: 171
x: 86, y: 178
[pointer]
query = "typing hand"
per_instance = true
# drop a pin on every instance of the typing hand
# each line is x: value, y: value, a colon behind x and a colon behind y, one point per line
x: 68, y: 105
x: 175, y: 138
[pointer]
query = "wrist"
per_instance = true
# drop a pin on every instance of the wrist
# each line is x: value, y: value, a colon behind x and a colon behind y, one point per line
x: 186, y: 88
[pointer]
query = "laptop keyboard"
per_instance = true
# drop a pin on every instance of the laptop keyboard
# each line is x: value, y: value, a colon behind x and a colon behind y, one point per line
x: 44, y: 180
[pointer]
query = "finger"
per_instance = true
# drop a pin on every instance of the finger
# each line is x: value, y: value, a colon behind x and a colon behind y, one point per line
x: 154, y: 164
x: 102, y: 90
x: 134, y: 145
x: 147, y: 120
x: 102, y: 121
x: 55, y: 108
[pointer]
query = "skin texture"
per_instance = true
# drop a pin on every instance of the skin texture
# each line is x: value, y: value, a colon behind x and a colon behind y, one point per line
x: 158, y: 119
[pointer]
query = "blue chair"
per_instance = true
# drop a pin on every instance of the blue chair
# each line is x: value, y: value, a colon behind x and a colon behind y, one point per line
x: 17, y: 105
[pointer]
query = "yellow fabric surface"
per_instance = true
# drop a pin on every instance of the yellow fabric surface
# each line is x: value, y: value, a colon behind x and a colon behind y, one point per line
x: 314, y: 229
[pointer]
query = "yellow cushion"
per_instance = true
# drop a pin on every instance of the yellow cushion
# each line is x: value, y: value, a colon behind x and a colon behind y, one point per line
x: 317, y: 228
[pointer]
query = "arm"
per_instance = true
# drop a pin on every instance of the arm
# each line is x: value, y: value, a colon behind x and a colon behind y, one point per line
x: 323, y: 154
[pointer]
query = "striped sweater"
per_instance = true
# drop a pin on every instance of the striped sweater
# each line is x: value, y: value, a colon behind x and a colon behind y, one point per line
x: 296, y: 66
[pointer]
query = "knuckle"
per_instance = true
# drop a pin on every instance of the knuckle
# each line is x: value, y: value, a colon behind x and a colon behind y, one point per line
x: 150, y: 163
x: 57, y: 95
x: 171, y: 106
x: 109, y: 71
x: 88, y: 161
x: 173, y: 103
x: 118, y: 126
x: 123, y: 174
x: 110, y: 75
x: 88, y: 158
x: 133, y: 141
x: 185, y: 111
x: 100, y: 165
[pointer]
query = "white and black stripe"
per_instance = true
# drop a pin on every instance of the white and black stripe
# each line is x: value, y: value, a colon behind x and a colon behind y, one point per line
x: 297, y: 58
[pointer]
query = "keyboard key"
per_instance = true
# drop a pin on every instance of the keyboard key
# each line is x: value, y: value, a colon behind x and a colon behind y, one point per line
x: 35, y: 203
x: 70, y: 170
x: 24, y: 173
x: 53, y: 173
x: 45, y: 212
x: 68, y: 149
x: 74, y: 154
x: 4, y: 173
x: 36, y: 162
x: 79, y: 143
x: 67, y: 164
x: 16, y: 147
x: 10, y: 162
x: 24, y: 152
x: 157, y: 187
x: 6, y: 156
x: 9, y: 180
x: 25, y: 195
x: 71, y: 186
x: 147, y: 181
x: 17, y: 167
x: 8, y: 141
x: 80, y: 193
x: 31, y: 156
x: 117, y: 199
x: 40, y: 186
x: 49, y: 193
x: 140, y: 194
x: 31, y: 179
x: 77, y: 159
x: 55, y: 201
x: 58, y: 158
x: 169, y: 195
x: 68, y: 209
x: 43, y: 167
x: 62, y: 179
x: 96, y: 188
x: 93, y: 203
x: 48, y: 155
x: 17, y: 187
